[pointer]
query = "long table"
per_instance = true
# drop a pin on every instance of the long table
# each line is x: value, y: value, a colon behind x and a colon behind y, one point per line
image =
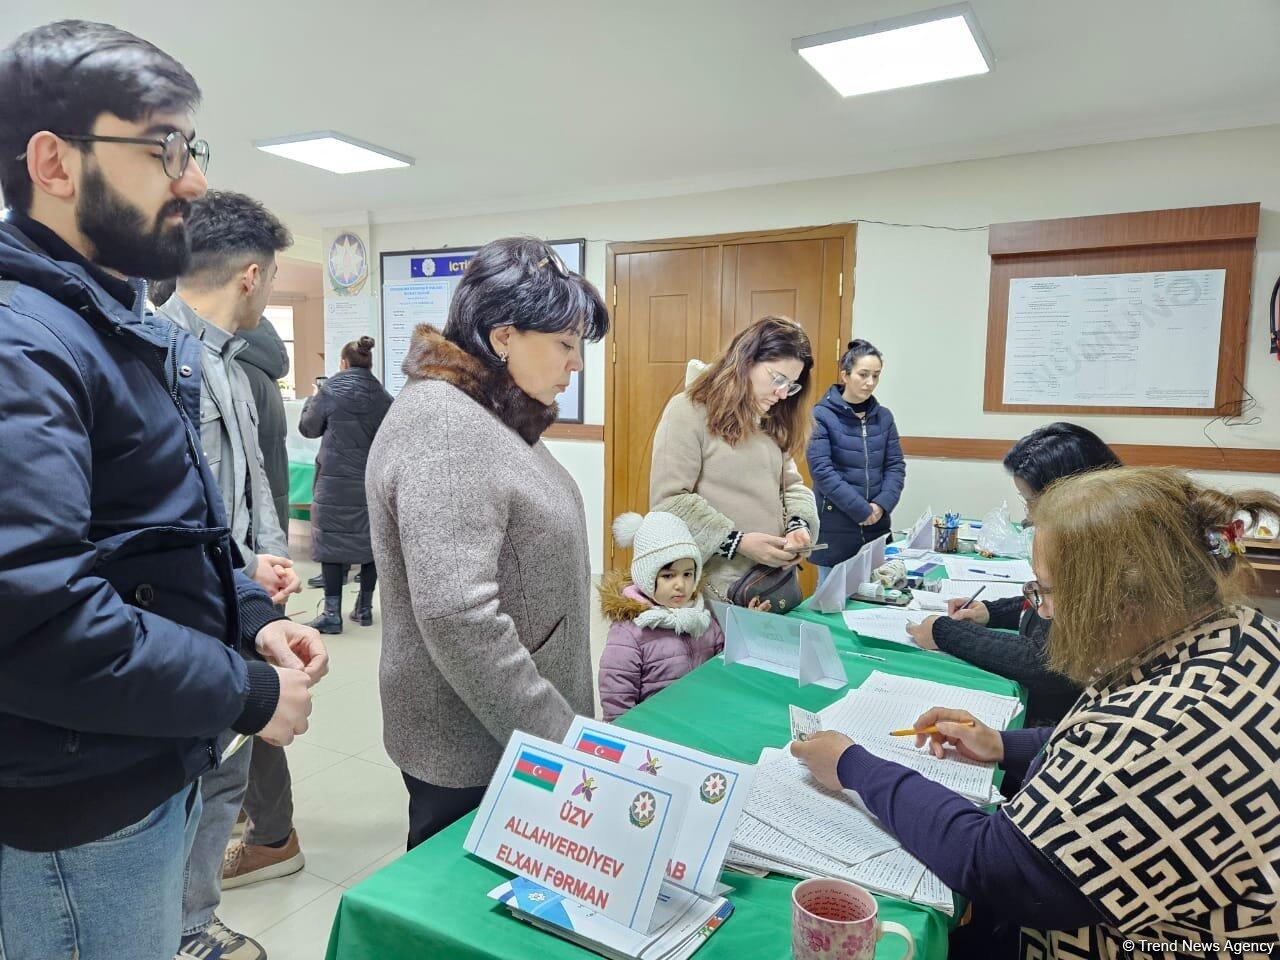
x: 302, y: 477
x: 432, y: 901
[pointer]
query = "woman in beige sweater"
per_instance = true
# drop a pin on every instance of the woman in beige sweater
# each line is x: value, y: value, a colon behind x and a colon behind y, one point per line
x: 724, y: 453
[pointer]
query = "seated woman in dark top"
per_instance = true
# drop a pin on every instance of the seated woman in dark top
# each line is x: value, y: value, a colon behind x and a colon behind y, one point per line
x: 1043, y: 456
x: 1151, y: 813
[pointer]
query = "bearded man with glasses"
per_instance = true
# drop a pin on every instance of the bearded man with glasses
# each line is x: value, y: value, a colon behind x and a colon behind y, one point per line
x: 130, y: 639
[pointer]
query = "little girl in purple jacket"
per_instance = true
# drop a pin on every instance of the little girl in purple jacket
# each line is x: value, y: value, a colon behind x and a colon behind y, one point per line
x: 661, y: 627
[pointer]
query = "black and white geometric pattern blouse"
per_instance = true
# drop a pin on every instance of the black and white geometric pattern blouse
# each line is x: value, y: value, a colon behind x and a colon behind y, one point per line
x: 1159, y: 798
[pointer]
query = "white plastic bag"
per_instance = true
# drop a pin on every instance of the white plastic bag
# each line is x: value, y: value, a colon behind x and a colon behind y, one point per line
x: 999, y: 537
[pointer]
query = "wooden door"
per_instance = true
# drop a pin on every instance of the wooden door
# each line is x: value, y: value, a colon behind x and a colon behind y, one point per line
x: 684, y: 299
x: 664, y: 314
x: 800, y: 279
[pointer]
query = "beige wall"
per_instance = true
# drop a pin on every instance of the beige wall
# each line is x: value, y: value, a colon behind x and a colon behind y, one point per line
x: 300, y: 285
x: 921, y: 295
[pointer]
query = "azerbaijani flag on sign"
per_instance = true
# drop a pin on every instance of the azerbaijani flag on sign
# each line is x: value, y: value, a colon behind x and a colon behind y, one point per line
x: 603, y: 747
x: 537, y: 770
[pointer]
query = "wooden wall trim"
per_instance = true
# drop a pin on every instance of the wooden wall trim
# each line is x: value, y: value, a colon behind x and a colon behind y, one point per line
x: 575, y: 431
x: 1228, y: 459
x: 1189, y: 238
x: 1232, y: 221
x: 955, y: 448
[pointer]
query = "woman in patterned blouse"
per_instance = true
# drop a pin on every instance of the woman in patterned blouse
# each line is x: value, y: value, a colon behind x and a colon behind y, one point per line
x: 1148, y: 821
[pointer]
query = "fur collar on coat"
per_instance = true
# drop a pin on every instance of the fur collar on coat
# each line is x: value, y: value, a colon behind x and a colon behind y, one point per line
x: 432, y: 357
x: 622, y: 601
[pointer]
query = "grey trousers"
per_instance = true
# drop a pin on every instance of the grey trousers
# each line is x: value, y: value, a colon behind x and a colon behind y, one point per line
x: 222, y: 791
x: 269, y: 799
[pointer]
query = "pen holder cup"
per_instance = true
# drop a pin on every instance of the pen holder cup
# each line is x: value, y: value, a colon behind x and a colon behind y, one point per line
x: 946, y: 539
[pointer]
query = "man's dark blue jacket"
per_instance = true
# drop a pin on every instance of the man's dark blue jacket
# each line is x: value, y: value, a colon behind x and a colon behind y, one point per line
x: 125, y: 634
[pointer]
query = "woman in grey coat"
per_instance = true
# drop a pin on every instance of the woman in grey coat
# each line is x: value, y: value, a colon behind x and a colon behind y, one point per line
x: 346, y: 412
x: 480, y: 534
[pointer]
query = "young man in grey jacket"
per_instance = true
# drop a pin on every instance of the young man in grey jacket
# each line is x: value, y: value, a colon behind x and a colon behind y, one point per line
x: 266, y: 361
x: 234, y: 242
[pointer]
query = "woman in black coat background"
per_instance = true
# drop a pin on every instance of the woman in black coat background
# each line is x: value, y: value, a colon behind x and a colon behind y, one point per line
x: 346, y: 413
x: 979, y: 633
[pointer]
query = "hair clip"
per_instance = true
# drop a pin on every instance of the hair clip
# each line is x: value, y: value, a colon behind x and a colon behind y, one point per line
x: 1225, y: 541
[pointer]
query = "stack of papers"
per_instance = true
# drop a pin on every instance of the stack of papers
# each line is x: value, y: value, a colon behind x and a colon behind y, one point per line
x: 993, y: 709
x: 936, y: 601
x: 682, y: 921
x: 868, y: 715
x: 1000, y: 571
x: 885, y: 623
x: 796, y: 827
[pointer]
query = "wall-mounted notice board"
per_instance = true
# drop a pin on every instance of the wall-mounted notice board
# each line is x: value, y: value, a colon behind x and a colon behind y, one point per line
x: 417, y: 287
x: 1130, y: 313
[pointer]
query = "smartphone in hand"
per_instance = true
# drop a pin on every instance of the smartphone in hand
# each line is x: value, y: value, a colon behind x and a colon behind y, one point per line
x: 805, y: 551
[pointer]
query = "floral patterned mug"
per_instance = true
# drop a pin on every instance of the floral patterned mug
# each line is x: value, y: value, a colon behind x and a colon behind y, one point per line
x: 836, y: 920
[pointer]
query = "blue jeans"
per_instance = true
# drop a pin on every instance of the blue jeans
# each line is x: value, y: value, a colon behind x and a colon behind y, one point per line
x: 222, y: 790
x: 115, y: 897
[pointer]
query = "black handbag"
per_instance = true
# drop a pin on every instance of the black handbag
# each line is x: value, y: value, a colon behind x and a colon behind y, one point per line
x: 778, y: 585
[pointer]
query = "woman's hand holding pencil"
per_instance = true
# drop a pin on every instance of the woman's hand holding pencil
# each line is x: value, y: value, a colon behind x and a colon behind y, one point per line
x: 972, y: 609
x: 913, y: 732
x: 970, y: 736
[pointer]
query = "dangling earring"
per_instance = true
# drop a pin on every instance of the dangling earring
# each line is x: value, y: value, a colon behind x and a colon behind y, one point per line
x: 502, y: 359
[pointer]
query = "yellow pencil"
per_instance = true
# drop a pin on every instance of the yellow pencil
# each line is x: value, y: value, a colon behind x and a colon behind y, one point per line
x: 911, y: 731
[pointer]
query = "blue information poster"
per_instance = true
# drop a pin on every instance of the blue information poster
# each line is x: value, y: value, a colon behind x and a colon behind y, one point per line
x: 417, y: 286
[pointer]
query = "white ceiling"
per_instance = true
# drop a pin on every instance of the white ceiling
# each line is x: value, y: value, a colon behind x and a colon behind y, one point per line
x: 513, y: 105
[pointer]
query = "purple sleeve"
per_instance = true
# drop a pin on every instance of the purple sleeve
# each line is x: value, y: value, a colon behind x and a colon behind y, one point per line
x: 1020, y: 748
x: 979, y: 855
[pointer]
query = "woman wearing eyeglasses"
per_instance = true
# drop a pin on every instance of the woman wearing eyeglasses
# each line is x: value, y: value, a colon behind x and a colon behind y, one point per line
x: 980, y: 633
x: 724, y: 453
x: 1151, y: 813
x: 855, y: 458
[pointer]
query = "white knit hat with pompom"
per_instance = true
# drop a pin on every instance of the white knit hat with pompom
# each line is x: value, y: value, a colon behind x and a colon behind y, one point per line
x: 659, y: 539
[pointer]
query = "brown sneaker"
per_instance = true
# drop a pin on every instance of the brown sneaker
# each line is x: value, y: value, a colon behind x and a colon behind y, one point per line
x: 249, y: 863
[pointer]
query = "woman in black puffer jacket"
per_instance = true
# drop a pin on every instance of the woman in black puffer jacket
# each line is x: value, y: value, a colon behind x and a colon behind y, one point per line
x: 346, y: 412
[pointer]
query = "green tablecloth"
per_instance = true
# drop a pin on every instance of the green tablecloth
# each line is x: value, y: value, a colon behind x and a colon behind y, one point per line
x: 835, y: 623
x: 302, y: 477
x: 432, y: 901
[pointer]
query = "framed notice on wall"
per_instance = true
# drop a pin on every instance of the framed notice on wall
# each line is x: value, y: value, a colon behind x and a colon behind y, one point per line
x: 1133, y: 313
x: 417, y: 286
x: 1115, y: 340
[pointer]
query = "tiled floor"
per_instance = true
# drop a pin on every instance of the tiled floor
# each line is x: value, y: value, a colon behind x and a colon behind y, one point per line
x: 350, y: 807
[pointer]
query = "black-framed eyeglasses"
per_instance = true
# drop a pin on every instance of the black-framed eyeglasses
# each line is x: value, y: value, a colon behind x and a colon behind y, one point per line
x: 1035, y: 593
x: 782, y: 383
x: 557, y: 264
x: 176, y: 150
